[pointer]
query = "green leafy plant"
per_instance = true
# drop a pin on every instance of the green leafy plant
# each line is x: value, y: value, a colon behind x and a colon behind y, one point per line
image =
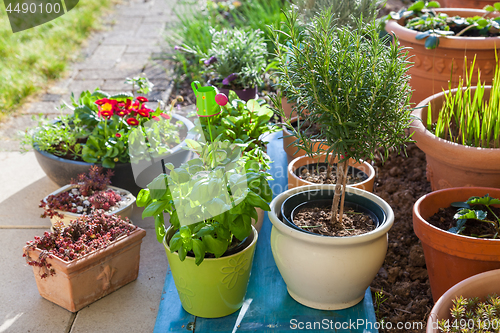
x: 473, y: 315
x: 241, y: 122
x: 99, y: 128
x: 466, y: 117
x: 350, y: 84
x: 471, y: 209
x: 431, y: 25
x: 211, y: 200
x: 144, y: 86
x: 236, y: 59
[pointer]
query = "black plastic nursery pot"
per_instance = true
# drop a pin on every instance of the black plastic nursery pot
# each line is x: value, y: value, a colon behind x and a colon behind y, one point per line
x: 61, y: 170
x: 243, y: 94
x: 321, y: 198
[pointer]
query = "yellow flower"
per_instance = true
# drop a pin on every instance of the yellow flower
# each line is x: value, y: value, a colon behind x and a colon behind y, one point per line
x: 106, y: 107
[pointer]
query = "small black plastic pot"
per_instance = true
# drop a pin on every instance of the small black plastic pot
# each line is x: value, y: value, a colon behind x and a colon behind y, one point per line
x: 322, y: 198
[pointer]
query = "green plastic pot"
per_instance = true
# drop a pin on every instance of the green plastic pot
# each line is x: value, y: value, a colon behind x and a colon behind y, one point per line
x: 218, y: 286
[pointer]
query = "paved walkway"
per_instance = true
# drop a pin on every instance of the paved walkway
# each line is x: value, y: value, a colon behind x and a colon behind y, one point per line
x: 126, y: 49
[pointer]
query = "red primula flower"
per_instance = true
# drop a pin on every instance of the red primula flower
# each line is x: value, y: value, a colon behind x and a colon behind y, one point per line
x: 118, y: 135
x: 101, y: 101
x: 122, y: 113
x: 142, y: 99
x: 132, y: 121
x: 164, y: 115
x: 144, y: 112
x: 106, y: 113
x: 128, y: 104
x: 120, y: 104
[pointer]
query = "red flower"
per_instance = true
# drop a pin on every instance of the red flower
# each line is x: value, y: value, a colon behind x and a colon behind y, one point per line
x: 106, y: 113
x: 142, y: 99
x: 120, y: 104
x: 102, y: 101
x: 128, y: 104
x: 118, y: 135
x: 132, y: 121
x: 164, y: 115
x: 144, y: 112
x: 122, y: 113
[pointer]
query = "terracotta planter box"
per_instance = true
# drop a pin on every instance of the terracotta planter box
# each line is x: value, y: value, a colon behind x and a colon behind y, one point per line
x: 124, y: 211
x: 432, y: 69
x: 480, y: 285
x: 451, y: 258
x: 451, y: 164
x: 294, y: 181
x: 81, y: 282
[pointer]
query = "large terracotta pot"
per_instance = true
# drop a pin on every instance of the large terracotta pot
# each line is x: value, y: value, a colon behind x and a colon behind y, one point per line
x: 289, y: 147
x: 432, y: 68
x: 124, y: 210
x: 476, y: 4
x: 215, y: 288
x: 329, y: 273
x: 83, y: 281
x: 451, y: 164
x: 61, y: 170
x: 451, y: 258
x: 294, y: 181
x: 480, y: 285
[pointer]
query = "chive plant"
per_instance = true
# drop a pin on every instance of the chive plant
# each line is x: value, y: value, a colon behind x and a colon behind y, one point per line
x: 350, y: 84
x: 467, y: 117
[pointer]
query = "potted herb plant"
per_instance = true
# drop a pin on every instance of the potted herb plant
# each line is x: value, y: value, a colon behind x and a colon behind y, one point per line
x: 471, y: 304
x: 98, y: 133
x: 355, y: 88
x: 93, y: 256
x: 440, y: 39
x: 211, y: 201
x: 235, y: 61
x: 459, y: 132
x: 89, y: 192
x: 459, y: 231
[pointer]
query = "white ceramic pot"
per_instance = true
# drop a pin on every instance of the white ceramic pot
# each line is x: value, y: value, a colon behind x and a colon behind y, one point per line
x: 123, y: 211
x: 328, y: 273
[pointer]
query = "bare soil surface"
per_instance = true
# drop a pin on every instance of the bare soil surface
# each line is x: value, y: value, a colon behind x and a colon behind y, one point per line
x: 317, y: 220
x: 318, y: 173
x: 401, y: 290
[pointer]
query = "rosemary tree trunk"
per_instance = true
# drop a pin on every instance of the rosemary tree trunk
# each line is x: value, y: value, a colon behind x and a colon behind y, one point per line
x: 339, y: 193
x: 329, y: 167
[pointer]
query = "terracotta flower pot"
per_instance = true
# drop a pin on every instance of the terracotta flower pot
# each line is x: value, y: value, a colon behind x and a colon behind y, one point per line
x: 294, y: 181
x: 289, y: 147
x: 476, y: 4
x: 480, y: 285
x: 451, y: 258
x: 244, y: 94
x: 432, y: 68
x: 83, y: 281
x: 451, y: 164
x: 125, y: 210
x: 215, y: 288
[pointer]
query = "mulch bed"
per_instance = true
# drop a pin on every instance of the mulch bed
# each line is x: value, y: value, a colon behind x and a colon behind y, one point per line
x: 401, y: 290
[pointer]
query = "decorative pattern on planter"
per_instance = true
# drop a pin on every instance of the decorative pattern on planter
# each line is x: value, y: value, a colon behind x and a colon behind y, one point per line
x: 185, y: 293
x: 233, y: 272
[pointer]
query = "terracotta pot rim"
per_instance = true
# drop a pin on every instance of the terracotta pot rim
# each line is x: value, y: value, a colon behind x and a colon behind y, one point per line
x: 448, y: 42
x: 444, y: 233
x: 255, y: 237
x: 445, y: 150
x: 450, y: 294
x: 378, y: 232
x: 120, y: 242
x: 291, y: 168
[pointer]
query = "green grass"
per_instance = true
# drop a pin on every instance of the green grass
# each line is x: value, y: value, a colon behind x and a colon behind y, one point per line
x: 30, y: 59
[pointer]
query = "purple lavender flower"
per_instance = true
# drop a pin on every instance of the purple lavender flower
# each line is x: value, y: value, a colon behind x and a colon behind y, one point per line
x: 210, y: 61
x: 231, y: 77
x: 177, y: 47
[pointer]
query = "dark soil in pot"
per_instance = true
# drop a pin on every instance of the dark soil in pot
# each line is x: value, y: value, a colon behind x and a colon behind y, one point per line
x: 401, y: 290
x: 444, y: 220
x: 317, y: 173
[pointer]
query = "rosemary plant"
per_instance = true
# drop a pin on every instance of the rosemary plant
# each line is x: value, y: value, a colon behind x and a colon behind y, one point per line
x: 467, y: 117
x: 344, y: 12
x: 349, y: 83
